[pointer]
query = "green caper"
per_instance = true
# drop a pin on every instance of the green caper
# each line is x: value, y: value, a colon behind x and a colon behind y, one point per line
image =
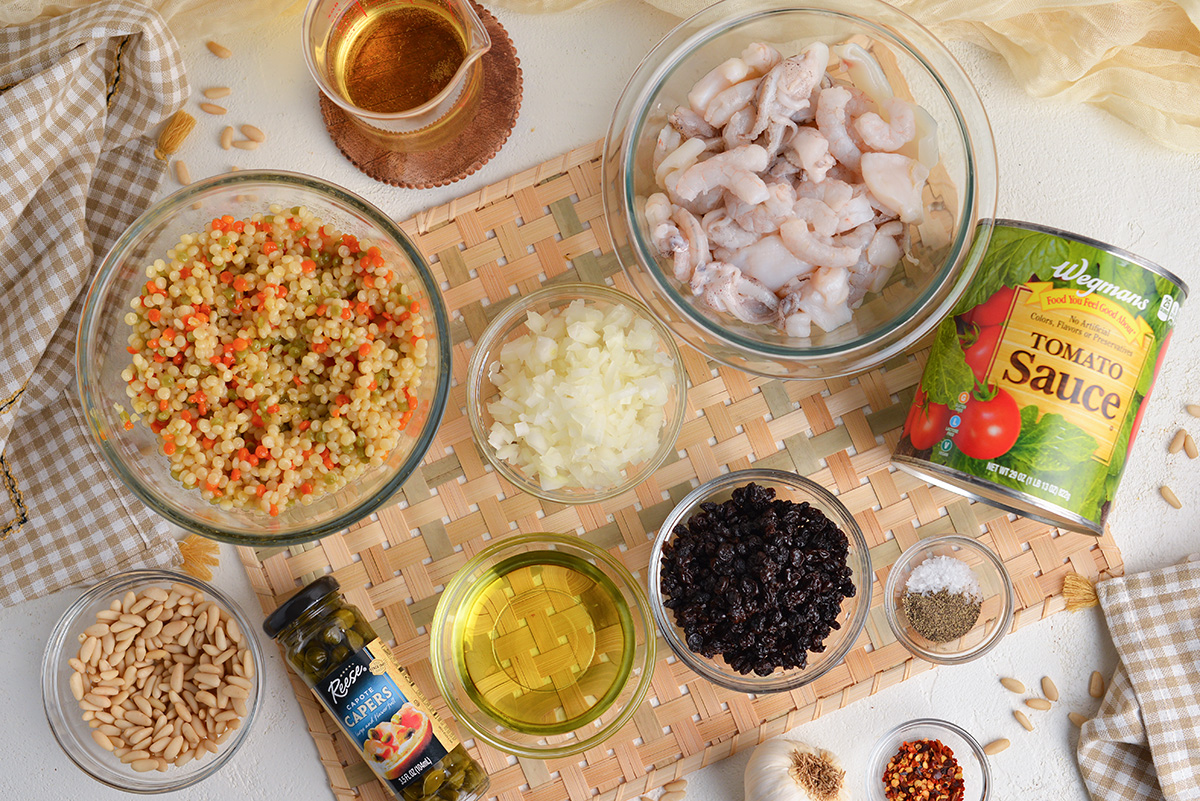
x: 315, y: 657
x: 340, y: 654
x: 354, y: 640
x: 333, y: 635
x: 457, y: 778
x: 434, y: 779
x: 345, y: 617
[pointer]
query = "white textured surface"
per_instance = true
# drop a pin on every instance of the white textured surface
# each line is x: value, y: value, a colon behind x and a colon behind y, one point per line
x: 1064, y: 166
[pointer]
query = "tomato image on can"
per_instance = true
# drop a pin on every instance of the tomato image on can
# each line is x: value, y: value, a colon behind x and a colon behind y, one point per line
x: 1035, y: 385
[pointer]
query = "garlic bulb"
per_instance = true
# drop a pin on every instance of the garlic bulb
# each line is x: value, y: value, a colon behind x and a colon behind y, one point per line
x: 786, y: 770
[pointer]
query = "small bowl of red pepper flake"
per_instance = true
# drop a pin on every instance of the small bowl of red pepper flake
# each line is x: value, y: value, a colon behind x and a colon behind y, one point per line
x: 928, y: 760
x: 264, y: 358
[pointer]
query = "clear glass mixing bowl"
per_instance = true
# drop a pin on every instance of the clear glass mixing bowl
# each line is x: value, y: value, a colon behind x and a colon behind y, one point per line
x: 946, y: 248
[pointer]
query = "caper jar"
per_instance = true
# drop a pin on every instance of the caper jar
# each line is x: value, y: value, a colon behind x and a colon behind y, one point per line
x: 355, y: 675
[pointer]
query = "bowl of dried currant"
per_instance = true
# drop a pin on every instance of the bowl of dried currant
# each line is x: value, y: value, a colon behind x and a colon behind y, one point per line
x: 760, y: 581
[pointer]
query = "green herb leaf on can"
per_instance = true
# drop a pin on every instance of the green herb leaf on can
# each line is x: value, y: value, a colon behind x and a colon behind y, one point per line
x: 947, y: 374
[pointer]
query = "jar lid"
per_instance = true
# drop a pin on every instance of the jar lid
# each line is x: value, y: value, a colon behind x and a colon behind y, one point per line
x: 298, y: 604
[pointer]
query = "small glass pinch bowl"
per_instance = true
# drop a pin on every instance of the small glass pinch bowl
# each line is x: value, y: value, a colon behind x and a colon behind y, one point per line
x: 509, y: 325
x: 995, y: 617
x: 853, y: 615
x: 64, y: 714
x: 977, y: 776
x: 620, y: 655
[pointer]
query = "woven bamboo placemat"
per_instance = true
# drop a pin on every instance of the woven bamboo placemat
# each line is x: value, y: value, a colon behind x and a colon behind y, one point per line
x: 546, y: 224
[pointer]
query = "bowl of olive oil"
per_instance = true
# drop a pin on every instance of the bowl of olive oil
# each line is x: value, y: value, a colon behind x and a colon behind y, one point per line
x: 543, y: 645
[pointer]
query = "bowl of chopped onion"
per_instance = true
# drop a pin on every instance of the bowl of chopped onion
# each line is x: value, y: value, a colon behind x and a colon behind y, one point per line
x: 576, y: 393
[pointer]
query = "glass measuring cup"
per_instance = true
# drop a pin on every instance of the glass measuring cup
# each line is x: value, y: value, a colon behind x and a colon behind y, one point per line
x: 407, y: 71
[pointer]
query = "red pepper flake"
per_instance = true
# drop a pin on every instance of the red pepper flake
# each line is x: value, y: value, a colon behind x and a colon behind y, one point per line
x: 923, y: 770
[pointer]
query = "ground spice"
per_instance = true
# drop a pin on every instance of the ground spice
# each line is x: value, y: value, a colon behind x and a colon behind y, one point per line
x: 941, y: 616
x: 923, y: 770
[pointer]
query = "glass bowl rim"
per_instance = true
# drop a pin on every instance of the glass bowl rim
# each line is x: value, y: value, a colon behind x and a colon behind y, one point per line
x: 972, y: 233
x: 892, y: 613
x: 56, y: 652
x: 165, y: 209
x: 878, y: 758
x: 442, y: 668
x: 851, y: 631
x: 488, y: 343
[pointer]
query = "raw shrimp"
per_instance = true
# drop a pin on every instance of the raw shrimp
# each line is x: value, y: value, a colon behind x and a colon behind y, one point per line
x: 809, y: 149
x: 814, y: 248
x: 892, y: 135
x: 724, y: 232
x: 679, y: 159
x: 737, y: 130
x: 831, y: 121
x: 720, y: 78
x: 668, y: 141
x: 730, y: 101
x: 761, y: 57
x: 734, y: 170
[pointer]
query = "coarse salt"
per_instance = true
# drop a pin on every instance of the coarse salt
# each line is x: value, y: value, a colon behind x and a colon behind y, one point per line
x: 944, y: 573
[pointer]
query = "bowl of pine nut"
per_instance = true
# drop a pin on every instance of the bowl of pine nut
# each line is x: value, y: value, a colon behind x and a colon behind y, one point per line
x: 151, y: 681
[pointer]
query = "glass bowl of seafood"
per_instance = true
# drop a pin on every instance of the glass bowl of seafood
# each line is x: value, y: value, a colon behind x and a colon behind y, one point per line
x: 800, y: 192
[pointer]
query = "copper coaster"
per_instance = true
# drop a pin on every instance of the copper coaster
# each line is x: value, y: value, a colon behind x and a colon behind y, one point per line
x: 492, y: 121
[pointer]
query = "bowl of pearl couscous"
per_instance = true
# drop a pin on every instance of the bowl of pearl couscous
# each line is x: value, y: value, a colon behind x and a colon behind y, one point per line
x: 263, y: 358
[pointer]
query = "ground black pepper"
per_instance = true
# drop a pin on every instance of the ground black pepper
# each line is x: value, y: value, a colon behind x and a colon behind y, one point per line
x: 756, y: 580
x: 941, y: 616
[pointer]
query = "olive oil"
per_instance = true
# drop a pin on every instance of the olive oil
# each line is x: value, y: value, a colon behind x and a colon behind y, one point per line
x: 546, y: 644
x: 392, y: 57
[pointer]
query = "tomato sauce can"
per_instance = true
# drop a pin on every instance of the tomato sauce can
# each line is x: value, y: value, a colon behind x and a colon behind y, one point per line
x: 1036, y: 383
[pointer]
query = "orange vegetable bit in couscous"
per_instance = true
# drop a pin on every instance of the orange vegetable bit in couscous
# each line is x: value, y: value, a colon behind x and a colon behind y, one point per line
x: 277, y: 358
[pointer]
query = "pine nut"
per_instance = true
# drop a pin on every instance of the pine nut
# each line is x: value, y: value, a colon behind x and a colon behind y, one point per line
x: 102, y: 740
x: 213, y: 108
x: 1077, y: 718
x: 675, y: 784
x: 1013, y: 685
x: 1049, y: 689
x: 144, y: 765
x: 134, y: 756
x: 1023, y: 720
x: 676, y: 795
x: 1193, y: 409
x: 254, y: 132
x: 216, y: 93
x: 218, y: 50
x: 76, y: 682
x: 996, y: 746
x: 1096, y: 684
x: 1189, y: 447
x: 1169, y: 496
x: 246, y: 144
x: 1038, y: 703
x: 1177, y: 442
x: 182, y: 173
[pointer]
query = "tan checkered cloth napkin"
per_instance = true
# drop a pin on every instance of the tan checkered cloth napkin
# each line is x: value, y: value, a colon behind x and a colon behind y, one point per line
x: 1145, y: 742
x: 80, y: 96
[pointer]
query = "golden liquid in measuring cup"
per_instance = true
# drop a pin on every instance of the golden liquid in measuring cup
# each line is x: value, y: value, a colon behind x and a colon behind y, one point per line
x: 545, y: 644
x: 392, y: 57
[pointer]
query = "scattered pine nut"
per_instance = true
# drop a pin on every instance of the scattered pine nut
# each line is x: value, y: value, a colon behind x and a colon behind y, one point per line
x: 182, y: 173
x: 1077, y: 718
x: 1023, y: 719
x: 996, y: 746
x: 255, y: 133
x: 212, y: 108
x: 218, y: 50
x: 1040, y: 704
x: 1049, y: 688
x: 1177, y: 441
x: 675, y: 795
x: 1193, y: 409
x: 227, y: 137
x: 1189, y: 447
x: 675, y: 785
x: 1013, y: 685
x: 1096, y: 685
x: 197, y: 206
x: 1168, y: 495
x: 217, y: 92
x: 246, y: 144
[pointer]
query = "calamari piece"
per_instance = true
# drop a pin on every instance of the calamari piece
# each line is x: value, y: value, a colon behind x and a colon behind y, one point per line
x: 924, y: 145
x: 729, y: 102
x: 669, y: 242
x: 896, y: 181
x: 761, y: 57
x: 657, y: 210
x: 690, y: 124
x: 785, y: 90
x: 691, y: 230
x: 814, y: 248
x: 764, y: 217
x: 725, y: 289
x: 885, y: 249
x: 822, y: 300
x: 717, y: 80
x: 724, y: 232
x: 853, y: 213
x: 810, y: 150
x: 737, y: 131
x: 832, y: 117
x: 889, y: 136
x: 864, y: 71
x: 770, y: 262
x: 679, y: 159
x: 735, y: 170
x: 668, y: 140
